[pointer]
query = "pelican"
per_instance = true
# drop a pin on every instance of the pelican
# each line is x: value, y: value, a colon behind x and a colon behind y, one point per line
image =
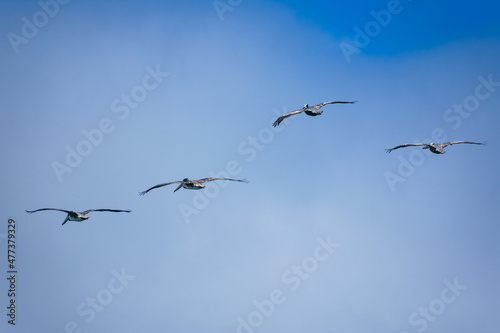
x: 192, y: 184
x: 309, y: 110
x: 436, y: 148
x: 78, y: 216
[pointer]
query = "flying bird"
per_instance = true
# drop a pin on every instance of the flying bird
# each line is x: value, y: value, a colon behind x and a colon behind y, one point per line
x: 78, y: 216
x: 192, y: 184
x: 436, y: 148
x: 309, y: 110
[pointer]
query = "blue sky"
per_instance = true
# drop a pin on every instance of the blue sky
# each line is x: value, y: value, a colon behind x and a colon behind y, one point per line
x: 331, y: 234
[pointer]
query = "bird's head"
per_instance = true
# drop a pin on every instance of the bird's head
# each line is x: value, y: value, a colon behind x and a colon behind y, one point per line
x: 185, y: 180
x: 306, y: 106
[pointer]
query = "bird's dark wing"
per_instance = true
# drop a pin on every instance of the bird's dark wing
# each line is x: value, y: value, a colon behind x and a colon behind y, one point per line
x: 160, y: 185
x: 203, y: 180
x: 61, y: 210
x: 320, y: 105
x: 105, y: 210
x: 406, y: 145
x: 286, y: 115
x: 446, y: 144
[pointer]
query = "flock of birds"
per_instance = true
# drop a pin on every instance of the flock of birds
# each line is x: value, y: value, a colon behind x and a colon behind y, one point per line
x: 436, y: 148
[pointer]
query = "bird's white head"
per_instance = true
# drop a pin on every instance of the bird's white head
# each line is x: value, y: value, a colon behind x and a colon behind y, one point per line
x: 306, y: 106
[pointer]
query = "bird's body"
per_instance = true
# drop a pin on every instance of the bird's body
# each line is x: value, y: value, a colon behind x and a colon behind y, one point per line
x: 436, y: 148
x: 78, y: 216
x: 312, y: 112
x: 192, y: 184
x: 308, y: 110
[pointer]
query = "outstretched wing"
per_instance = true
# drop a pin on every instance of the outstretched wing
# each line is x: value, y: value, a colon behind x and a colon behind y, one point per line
x: 203, y: 180
x: 446, y: 144
x: 320, y: 105
x: 286, y: 115
x: 105, y: 210
x: 160, y: 185
x: 406, y: 145
x: 61, y: 210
